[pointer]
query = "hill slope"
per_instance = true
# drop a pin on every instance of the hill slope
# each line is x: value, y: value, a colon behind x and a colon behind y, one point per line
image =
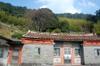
x: 15, y: 20
x: 77, y: 25
x: 8, y: 30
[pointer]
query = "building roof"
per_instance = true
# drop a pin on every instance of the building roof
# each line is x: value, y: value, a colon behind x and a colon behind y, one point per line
x: 61, y: 36
x: 9, y: 42
x: 3, y: 41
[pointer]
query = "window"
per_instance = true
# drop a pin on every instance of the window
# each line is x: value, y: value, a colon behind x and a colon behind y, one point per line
x: 97, y: 52
x: 67, y: 51
x: 1, y: 52
x: 77, y: 52
x: 67, y: 55
x: 37, y: 51
x: 56, y: 51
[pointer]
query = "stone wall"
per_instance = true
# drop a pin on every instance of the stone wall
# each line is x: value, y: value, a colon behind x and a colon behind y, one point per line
x: 90, y: 55
x: 45, y: 58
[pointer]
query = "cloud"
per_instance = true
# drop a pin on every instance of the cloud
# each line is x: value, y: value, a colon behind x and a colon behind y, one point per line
x: 87, y: 3
x: 60, y: 6
x: 43, y: 6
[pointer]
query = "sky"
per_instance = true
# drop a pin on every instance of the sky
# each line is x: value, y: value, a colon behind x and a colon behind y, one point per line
x: 59, y: 6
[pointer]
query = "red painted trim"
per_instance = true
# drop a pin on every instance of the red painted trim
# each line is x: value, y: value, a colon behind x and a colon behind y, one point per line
x: 91, y: 43
x: 37, y: 41
x: 20, y: 56
x: 10, y: 52
x: 9, y: 55
x: 72, y: 56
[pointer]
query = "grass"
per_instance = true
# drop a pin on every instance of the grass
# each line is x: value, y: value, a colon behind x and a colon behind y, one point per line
x: 7, y: 30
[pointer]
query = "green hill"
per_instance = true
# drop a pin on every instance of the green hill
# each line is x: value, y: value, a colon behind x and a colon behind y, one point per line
x: 37, y: 20
x: 75, y: 16
x: 8, y: 30
x: 77, y: 25
x: 16, y: 20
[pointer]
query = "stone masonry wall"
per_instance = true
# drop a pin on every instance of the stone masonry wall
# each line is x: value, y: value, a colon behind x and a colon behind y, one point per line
x: 90, y: 55
x: 44, y: 59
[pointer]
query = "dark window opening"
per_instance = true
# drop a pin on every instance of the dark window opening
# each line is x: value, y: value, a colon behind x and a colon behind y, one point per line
x: 56, y: 51
x: 77, y: 52
x: 97, y: 52
x: 37, y: 51
x: 1, y: 52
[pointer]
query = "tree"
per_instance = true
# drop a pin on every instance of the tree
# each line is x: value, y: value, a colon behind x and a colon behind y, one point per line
x: 97, y: 27
x: 13, y: 10
x: 57, y: 30
x: 64, y: 26
x: 92, y: 18
x: 17, y: 35
x: 98, y: 14
x: 43, y: 19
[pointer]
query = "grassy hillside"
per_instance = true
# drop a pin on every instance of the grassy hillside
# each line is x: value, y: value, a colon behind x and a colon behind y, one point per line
x: 28, y: 19
x: 77, y: 25
x: 8, y: 30
x: 71, y: 20
x: 76, y: 15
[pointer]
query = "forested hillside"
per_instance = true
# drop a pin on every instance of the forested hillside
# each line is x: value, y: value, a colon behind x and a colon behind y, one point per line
x: 76, y: 15
x: 21, y: 19
x: 82, y: 22
x: 27, y: 19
